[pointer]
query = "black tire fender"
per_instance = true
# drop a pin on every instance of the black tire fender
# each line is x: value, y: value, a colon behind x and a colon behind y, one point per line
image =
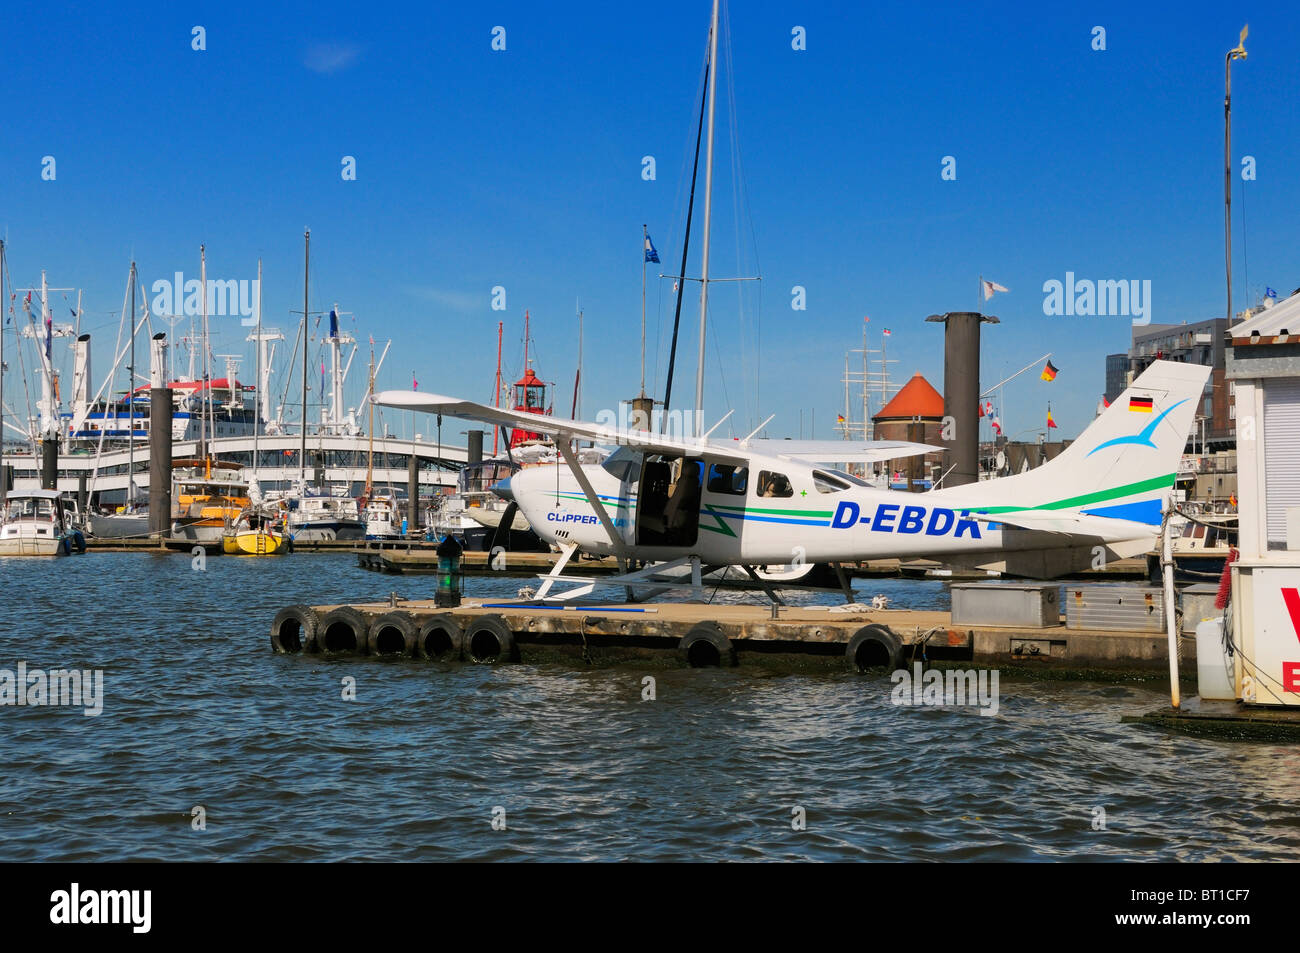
x: 874, y: 646
x: 706, y: 646
x: 440, y: 638
x: 342, y: 630
x: 294, y: 630
x: 393, y: 633
x: 488, y: 639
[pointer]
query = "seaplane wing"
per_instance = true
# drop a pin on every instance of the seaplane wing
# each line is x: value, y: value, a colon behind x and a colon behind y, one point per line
x: 840, y: 451
x: 560, y: 429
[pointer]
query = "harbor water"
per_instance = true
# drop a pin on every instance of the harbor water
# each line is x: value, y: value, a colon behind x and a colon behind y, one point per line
x: 201, y: 722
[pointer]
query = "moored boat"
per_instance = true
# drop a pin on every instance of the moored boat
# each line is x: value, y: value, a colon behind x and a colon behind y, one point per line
x: 35, y: 523
x: 208, y: 497
x: 255, y: 532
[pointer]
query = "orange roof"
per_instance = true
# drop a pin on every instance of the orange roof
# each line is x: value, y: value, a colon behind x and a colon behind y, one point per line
x: 916, y: 399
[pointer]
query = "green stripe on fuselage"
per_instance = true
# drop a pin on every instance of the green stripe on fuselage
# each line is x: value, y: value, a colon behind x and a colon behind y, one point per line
x: 1155, y: 483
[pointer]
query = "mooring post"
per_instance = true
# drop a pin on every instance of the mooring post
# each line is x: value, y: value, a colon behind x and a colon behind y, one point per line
x: 160, y: 462
x: 50, y: 462
x: 961, y: 394
x: 1171, y: 622
x: 413, y: 492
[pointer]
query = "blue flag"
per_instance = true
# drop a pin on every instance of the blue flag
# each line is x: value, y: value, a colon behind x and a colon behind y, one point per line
x: 334, y: 323
x: 1269, y: 293
x: 650, y: 253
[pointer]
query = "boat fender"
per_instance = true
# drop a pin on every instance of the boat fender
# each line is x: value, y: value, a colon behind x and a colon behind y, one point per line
x: 294, y: 630
x: 874, y: 646
x: 342, y: 630
x: 706, y: 646
x: 393, y: 633
x: 440, y: 638
x: 488, y: 639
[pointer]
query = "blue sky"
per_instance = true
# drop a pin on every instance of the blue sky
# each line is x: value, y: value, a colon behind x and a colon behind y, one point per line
x: 522, y: 168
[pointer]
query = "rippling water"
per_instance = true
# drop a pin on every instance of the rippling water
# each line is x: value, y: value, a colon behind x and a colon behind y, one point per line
x: 199, y: 711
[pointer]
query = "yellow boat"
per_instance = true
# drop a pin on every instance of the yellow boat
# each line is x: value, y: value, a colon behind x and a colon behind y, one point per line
x: 254, y: 533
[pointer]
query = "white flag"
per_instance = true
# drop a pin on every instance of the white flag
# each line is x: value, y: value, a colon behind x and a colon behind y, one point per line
x: 990, y: 287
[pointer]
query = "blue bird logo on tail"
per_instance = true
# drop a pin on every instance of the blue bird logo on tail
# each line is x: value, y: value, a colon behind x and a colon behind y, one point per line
x: 1142, y: 438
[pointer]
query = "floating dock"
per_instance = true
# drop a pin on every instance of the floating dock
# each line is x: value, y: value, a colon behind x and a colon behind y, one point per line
x: 1224, y: 720
x: 697, y: 634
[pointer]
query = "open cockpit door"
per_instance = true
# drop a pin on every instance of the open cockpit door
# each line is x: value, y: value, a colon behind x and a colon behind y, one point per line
x: 668, y: 501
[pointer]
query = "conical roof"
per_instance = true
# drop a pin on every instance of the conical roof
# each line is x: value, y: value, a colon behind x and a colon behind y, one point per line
x: 916, y: 399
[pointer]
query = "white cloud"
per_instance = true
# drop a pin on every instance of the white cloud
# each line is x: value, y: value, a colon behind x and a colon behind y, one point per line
x: 330, y: 57
x: 461, y: 302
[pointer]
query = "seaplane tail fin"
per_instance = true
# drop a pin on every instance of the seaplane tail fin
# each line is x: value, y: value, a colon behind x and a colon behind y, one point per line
x: 1121, y: 467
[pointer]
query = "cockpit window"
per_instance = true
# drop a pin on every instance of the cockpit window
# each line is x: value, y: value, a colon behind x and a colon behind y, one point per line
x: 624, y: 464
x: 774, y: 484
x: 829, y: 483
x: 725, y: 478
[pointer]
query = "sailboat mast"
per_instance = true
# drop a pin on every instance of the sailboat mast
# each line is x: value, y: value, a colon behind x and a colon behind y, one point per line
x: 4, y: 303
x: 130, y: 407
x: 496, y: 394
x: 370, y: 395
x: 866, y: 381
x: 644, y: 238
x: 708, y: 212
x: 577, y: 384
x: 257, y: 401
x: 204, y: 396
x: 306, y: 272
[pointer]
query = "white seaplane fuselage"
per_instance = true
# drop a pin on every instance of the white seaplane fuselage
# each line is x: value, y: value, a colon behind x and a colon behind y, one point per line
x: 765, y: 502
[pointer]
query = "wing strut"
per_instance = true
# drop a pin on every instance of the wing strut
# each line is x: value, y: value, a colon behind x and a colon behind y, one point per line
x: 615, y: 539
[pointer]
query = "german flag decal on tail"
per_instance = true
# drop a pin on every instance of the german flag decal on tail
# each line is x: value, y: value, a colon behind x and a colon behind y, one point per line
x: 1141, y: 405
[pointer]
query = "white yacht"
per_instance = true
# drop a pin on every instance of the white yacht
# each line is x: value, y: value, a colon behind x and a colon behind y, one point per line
x: 383, y: 516
x: 317, y: 514
x: 35, y: 523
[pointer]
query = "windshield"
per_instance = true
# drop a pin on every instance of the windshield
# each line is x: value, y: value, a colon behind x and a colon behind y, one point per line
x: 833, y: 481
x: 624, y: 464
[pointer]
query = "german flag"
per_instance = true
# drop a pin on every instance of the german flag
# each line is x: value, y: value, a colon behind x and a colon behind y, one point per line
x: 1049, y: 372
x: 1140, y: 405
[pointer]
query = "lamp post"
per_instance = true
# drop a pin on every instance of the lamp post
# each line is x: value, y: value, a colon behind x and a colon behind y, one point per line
x: 1237, y: 52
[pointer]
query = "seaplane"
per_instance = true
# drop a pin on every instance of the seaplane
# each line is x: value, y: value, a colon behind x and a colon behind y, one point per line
x: 664, y: 503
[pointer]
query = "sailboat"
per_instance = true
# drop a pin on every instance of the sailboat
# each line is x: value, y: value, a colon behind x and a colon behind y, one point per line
x: 256, y: 531
x: 131, y: 520
x: 209, y: 495
x: 380, y: 506
x: 32, y: 522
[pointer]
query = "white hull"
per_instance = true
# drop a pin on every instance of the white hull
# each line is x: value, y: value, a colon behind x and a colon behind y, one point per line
x: 324, y: 531
x: 32, y: 546
x: 120, y: 525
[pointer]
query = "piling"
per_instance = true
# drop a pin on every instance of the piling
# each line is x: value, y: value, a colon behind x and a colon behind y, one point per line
x: 961, y: 394
x: 160, y: 460
x: 413, y: 492
x: 50, y: 463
